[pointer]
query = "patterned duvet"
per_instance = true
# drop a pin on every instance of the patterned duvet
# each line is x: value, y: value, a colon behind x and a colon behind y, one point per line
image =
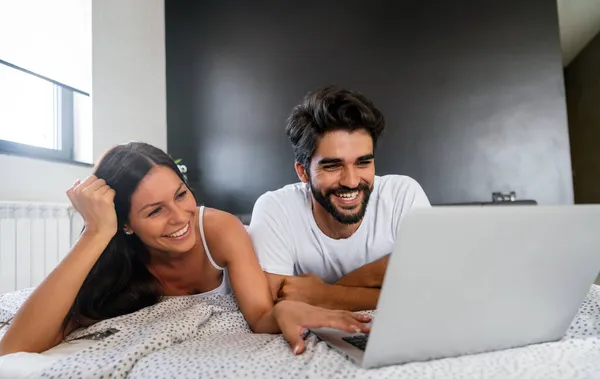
x: 187, y: 337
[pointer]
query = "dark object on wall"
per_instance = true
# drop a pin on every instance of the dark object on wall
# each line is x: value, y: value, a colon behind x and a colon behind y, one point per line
x: 498, y: 198
x: 491, y: 203
x: 582, y: 80
x: 472, y: 91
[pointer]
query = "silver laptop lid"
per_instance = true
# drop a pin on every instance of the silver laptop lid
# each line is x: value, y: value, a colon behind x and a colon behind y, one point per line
x: 471, y: 279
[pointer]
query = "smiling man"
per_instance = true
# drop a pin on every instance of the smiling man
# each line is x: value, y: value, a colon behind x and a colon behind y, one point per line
x: 326, y: 240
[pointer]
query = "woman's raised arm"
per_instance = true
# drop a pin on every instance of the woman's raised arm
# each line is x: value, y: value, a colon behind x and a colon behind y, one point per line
x: 38, y: 325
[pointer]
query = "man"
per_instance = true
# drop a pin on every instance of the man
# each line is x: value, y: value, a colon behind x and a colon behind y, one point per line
x: 327, y: 239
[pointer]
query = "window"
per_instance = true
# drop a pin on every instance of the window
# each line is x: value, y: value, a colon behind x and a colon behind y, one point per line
x: 45, y: 79
x: 36, y: 116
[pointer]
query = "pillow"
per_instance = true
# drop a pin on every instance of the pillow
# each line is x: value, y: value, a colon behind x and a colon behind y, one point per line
x: 10, y: 303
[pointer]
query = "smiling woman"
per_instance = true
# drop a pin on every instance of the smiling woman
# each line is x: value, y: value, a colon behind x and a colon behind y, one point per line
x: 145, y: 238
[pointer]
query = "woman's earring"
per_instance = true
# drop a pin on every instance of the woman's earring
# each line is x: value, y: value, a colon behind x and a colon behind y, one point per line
x: 128, y: 232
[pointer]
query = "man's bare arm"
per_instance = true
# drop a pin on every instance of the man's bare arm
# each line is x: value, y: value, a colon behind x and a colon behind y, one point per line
x: 370, y: 275
x: 310, y: 289
x: 357, y: 291
x: 353, y: 298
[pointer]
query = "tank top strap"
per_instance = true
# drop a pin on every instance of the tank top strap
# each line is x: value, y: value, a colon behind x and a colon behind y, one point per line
x: 204, y: 244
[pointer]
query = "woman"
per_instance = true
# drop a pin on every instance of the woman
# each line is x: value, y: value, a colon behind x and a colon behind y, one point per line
x: 145, y: 238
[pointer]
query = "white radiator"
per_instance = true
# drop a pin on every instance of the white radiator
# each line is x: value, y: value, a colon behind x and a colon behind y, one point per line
x: 34, y: 237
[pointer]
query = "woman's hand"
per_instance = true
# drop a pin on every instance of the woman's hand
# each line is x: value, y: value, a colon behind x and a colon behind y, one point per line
x: 294, y: 317
x: 94, y: 200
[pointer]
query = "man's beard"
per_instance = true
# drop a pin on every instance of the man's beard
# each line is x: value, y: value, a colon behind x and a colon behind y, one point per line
x: 324, y: 199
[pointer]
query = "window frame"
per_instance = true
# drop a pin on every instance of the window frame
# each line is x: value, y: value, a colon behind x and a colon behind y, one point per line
x: 64, y: 119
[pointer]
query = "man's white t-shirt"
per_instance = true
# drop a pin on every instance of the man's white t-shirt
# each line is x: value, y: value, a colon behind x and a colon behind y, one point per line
x: 288, y: 241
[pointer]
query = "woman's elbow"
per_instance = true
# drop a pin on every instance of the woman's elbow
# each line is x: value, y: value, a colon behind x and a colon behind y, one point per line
x: 265, y: 324
x: 6, y: 349
x: 258, y: 327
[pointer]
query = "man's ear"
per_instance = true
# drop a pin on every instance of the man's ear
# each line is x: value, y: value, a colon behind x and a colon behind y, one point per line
x: 302, y: 173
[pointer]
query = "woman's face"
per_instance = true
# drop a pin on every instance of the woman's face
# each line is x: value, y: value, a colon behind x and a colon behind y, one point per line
x: 163, y: 212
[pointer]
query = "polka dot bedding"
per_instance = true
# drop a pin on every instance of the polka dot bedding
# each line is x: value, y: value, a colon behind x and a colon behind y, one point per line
x: 187, y: 337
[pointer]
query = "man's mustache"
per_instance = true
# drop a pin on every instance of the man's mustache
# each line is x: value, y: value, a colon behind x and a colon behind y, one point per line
x: 343, y: 190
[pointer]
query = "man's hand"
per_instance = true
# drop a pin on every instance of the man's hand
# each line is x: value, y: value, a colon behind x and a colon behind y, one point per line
x: 308, y: 288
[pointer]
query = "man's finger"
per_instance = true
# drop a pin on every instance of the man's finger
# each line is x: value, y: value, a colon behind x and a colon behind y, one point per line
x: 280, y: 292
x: 283, y: 282
x: 291, y: 279
x: 284, y: 296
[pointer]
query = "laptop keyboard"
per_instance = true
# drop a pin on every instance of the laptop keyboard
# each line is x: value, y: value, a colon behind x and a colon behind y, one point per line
x: 359, y: 341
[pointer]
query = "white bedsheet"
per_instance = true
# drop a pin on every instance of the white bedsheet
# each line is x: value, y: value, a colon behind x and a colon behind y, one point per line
x: 189, y: 337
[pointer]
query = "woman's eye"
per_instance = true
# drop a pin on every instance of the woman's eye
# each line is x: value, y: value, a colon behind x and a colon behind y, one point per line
x: 154, y: 212
x: 182, y: 195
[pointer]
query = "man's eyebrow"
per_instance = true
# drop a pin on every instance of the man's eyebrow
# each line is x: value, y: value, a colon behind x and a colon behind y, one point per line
x: 367, y: 157
x: 329, y: 161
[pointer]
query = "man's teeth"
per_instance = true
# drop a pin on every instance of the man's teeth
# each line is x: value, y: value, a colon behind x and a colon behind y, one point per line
x: 348, y: 195
x: 180, y: 232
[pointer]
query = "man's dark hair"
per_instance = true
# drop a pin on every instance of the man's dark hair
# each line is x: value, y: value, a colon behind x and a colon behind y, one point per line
x: 328, y: 109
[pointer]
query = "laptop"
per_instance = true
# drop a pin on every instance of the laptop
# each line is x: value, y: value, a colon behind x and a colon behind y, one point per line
x: 467, y: 280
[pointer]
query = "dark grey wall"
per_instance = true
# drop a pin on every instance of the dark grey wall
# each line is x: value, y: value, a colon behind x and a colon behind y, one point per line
x: 582, y: 80
x: 472, y: 91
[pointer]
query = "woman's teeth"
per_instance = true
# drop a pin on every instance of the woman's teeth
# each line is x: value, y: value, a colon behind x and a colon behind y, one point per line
x: 348, y: 195
x: 180, y: 232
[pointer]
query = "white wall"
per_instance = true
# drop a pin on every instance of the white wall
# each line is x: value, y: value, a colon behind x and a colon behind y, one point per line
x: 128, y: 72
x: 128, y: 97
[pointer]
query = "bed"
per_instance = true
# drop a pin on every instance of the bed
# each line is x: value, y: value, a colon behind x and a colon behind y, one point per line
x: 188, y: 337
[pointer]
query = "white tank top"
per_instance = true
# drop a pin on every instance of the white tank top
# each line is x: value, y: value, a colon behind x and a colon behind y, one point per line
x: 225, y: 287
